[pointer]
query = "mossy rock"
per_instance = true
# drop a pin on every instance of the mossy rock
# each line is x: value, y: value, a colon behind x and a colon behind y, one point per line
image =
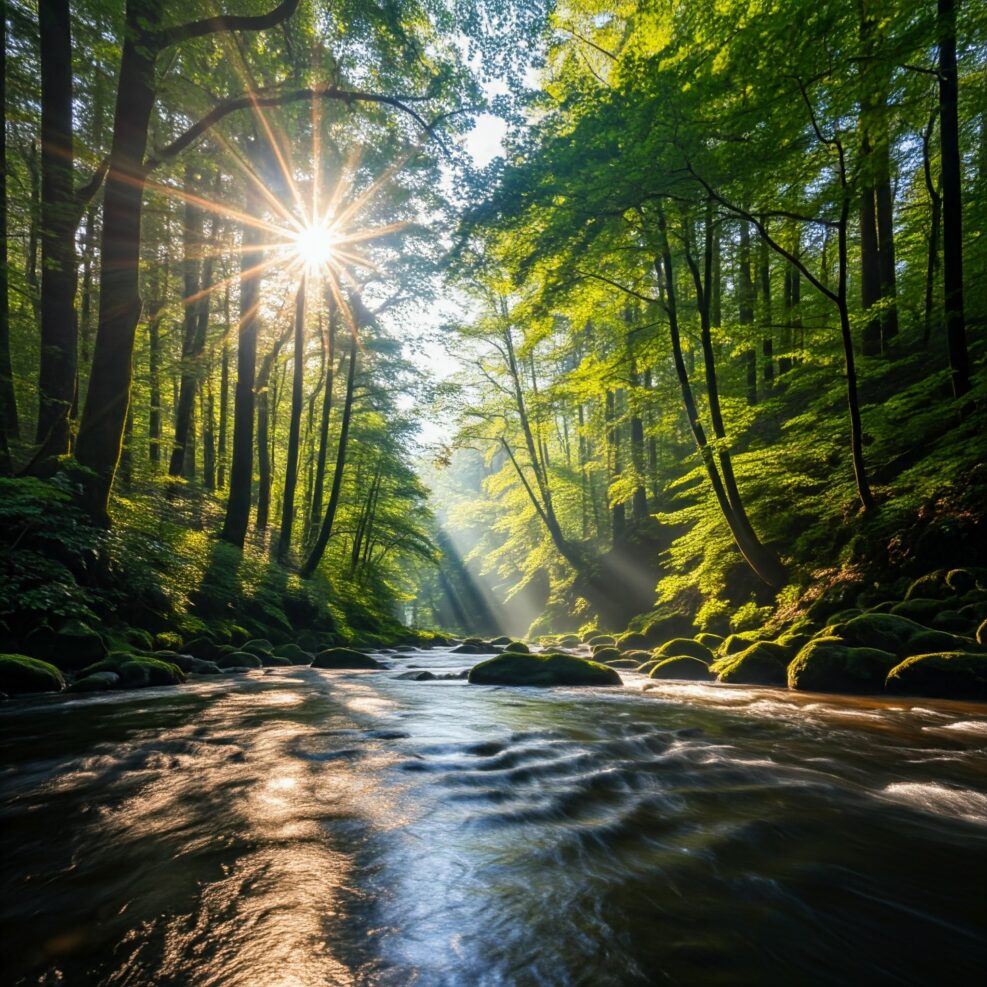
x: 570, y: 641
x: 240, y: 659
x: 899, y: 635
x: 982, y: 633
x: 97, y: 682
x: 466, y: 649
x: 734, y: 643
x: 476, y: 641
x: 665, y: 627
x: 275, y: 661
x: 549, y: 669
x: 762, y: 663
x: 293, y: 654
x: 947, y: 675
x: 974, y: 612
x: 607, y: 640
x: 633, y: 641
x: 681, y: 667
x: 136, y: 637
x: 517, y: 647
x: 239, y: 635
x: 138, y: 672
x: 188, y: 664
x: 885, y: 606
x: 308, y: 641
x: 963, y: 580
x: 605, y: 653
x: 843, y: 616
x: 258, y: 646
x: 20, y: 675
x: 920, y: 610
x: 830, y: 665
x: 954, y: 622
x: 168, y: 641
x: 587, y: 636
x: 929, y: 587
x: 835, y: 598
x: 681, y: 646
x: 638, y: 656
x: 344, y: 658
x: 711, y: 641
x: 793, y: 641
x: 503, y: 640
x: 201, y: 647
x: 628, y: 664
x: 74, y: 645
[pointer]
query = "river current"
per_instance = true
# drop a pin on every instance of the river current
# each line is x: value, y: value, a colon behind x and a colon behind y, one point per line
x: 296, y: 827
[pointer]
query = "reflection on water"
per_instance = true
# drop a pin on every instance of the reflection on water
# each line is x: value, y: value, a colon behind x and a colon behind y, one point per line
x: 306, y: 828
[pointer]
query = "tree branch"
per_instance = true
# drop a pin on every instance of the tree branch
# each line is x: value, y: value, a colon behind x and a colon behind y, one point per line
x: 249, y: 101
x: 223, y: 23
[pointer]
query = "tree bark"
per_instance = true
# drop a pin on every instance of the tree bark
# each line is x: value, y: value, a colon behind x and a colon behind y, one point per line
x: 59, y: 215
x: 315, y: 512
x: 9, y: 425
x: 745, y: 303
x: 935, y: 223
x: 294, y: 427
x: 318, y: 549
x: 952, y: 200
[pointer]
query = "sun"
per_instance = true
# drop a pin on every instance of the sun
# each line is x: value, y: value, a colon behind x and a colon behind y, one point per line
x: 315, y: 246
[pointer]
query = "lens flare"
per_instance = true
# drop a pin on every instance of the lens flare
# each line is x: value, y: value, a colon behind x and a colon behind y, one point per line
x: 315, y: 246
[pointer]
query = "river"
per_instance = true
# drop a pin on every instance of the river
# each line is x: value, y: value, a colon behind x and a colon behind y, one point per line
x: 294, y: 828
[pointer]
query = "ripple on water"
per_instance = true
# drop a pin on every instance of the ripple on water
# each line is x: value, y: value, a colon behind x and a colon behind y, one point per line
x: 941, y: 800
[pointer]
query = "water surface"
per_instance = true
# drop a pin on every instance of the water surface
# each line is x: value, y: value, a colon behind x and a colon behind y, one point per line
x: 293, y: 828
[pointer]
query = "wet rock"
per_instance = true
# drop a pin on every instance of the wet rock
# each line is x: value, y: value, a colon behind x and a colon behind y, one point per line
x: 681, y: 667
x: 541, y: 670
x: 711, y: 641
x: 517, y: 647
x: 422, y: 676
x: 20, y: 674
x: 188, y: 664
x: 97, y: 682
x: 258, y: 646
x: 138, y: 672
x: 201, y: 647
x: 570, y: 641
x: 947, y: 675
x: 240, y: 659
x: 763, y: 663
x: 633, y: 641
x: 503, y: 640
x: 344, y: 658
x: 628, y: 663
x: 293, y: 654
x: 929, y: 587
x: 684, y: 646
x: 74, y: 645
x: 607, y: 640
x: 828, y: 664
x: 275, y: 661
x: 735, y: 643
x: 605, y: 653
x: 920, y: 610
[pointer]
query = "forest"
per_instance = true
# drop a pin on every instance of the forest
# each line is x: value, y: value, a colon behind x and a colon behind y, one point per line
x: 373, y: 373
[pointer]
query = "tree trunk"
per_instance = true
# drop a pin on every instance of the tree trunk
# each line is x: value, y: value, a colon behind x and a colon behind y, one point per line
x: 59, y: 325
x: 952, y: 200
x: 242, y: 465
x: 745, y: 301
x: 9, y: 426
x: 935, y: 223
x: 294, y: 427
x: 318, y: 549
x: 108, y: 397
x: 224, y: 399
x: 207, y: 410
x: 154, y: 372
x: 767, y: 340
x: 315, y: 513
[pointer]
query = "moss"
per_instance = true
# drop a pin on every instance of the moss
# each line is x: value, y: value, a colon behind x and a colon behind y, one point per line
x: 168, y: 641
x: 73, y: 645
x: 930, y: 587
x: 762, y: 663
x: 138, y: 638
x: 344, y: 658
x: 239, y: 635
x: 711, y: 641
x: 503, y: 640
x: 275, y: 661
x: 842, y: 617
x: 20, y: 674
x: 920, y: 610
x: 570, y: 641
x: 198, y: 666
x: 626, y: 663
x: 587, y: 635
x: 948, y: 675
x: 201, y: 647
x: 982, y: 633
x: 795, y: 642
x: 258, y: 646
x: 954, y: 622
x: 633, y: 641
x: 293, y: 654
x: 680, y: 646
x: 830, y: 665
x: 963, y: 580
x: 518, y: 647
x: 899, y: 635
x: 885, y: 606
x: 681, y: 667
x: 605, y: 639
x: 541, y: 670
x: 734, y: 644
x: 605, y: 653
x: 240, y: 659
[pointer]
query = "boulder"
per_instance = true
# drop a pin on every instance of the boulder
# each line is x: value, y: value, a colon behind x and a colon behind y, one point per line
x: 633, y: 641
x: 240, y: 659
x: 570, y: 641
x: 190, y: 665
x: 920, y: 610
x: 762, y: 663
x: 733, y: 644
x: 982, y: 633
x: 258, y: 646
x: 684, y: 646
x: 344, y: 658
x: 711, y: 641
x: 794, y: 641
x: 517, y: 647
x: 828, y: 664
x: 930, y: 587
x: 541, y: 670
x: 74, y: 645
x: 682, y: 667
x: 627, y: 663
x: 946, y: 675
x: 608, y: 640
x: 20, y: 674
x: 422, y: 676
x: 201, y: 647
x: 137, y: 672
x: 293, y: 654
x: 503, y: 640
x: 97, y: 682
x: 274, y: 661
x: 954, y: 622
x: 899, y: 635
x: 605, y: 653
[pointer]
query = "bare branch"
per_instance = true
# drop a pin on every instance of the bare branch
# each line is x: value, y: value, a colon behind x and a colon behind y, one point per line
x: 223, y: 24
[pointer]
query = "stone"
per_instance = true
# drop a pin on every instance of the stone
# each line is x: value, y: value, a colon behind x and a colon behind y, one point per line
x: 240, y: 659
x: 762, y: 663
x: 828, y: 664
x: 681, y: 667
x: 97, y: 682
x: 340, y: 658
x: 541, y: 670
x: 946, y: 675
x: 21, y: 674
x: 684, y: 646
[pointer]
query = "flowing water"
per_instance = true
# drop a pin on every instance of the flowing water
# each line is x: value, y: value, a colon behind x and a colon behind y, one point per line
x: 293, y: 828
